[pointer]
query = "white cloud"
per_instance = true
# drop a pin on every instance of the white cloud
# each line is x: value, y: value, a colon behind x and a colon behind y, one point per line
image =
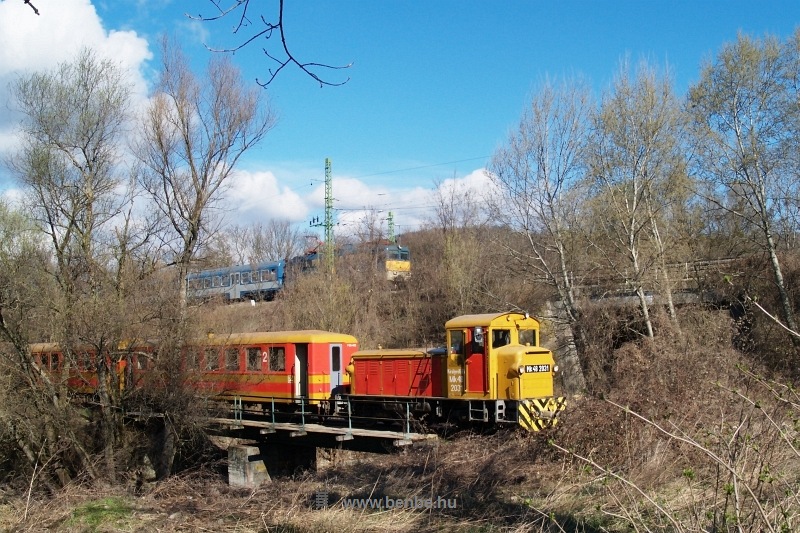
x: 476, y: 182
x: 356, y: 201
x: 30, y: 43
x: 12, y: 196
x: 258, y: 197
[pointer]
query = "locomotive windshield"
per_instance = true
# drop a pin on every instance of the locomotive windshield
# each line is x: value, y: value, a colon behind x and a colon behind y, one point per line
x: 397, y: 253
x: 527, y: 337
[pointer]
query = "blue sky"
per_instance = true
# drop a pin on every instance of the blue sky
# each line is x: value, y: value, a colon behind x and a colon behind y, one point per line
x: 434, y: 88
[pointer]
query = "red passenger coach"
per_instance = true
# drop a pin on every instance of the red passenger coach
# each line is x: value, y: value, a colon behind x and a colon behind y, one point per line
x: 284, y: 366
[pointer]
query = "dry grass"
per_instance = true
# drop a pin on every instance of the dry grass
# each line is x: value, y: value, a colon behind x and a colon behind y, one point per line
x: 496, y: 483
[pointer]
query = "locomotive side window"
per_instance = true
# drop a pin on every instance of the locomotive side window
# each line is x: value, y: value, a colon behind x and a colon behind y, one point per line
x: 456, y: 341
x: 277, y: 358
x: 86, y: 361
x: 254, y: 359
x: 527, y: 337
x: 212, y: 359
x: 232, y: 359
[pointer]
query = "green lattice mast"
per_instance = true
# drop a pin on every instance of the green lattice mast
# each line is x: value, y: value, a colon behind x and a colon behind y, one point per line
x: 328, y: 217
x: 390, y: 218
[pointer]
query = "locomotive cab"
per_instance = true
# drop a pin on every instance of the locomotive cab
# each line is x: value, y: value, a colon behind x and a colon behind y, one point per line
x: 489, y: 355
x: 494, y: 362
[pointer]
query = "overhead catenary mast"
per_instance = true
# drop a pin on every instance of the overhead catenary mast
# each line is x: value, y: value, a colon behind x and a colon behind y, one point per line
x: 328, y: 246
x: 328, y: 216
x: 392, y: 238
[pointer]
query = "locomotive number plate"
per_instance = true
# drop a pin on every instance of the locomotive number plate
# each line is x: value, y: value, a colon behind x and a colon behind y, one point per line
x: 532, y: 369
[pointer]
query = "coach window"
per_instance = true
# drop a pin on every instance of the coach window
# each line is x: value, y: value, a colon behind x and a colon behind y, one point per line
x: 192, y: 359
x: 527, y: 337
x: 254, y: 276
x: 254, y: 359
x: 277, y: 359
x: 212, y: 359
x: 226, y: 280
x: 232, y: 359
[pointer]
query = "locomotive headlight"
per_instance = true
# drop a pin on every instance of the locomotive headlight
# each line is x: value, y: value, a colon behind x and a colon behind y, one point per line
x: 555, y: 368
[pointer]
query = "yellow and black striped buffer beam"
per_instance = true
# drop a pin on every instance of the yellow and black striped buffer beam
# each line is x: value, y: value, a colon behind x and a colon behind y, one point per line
x: 540, y: 413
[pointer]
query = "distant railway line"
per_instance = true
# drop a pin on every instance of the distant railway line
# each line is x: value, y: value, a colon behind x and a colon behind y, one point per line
x: 263, y: 281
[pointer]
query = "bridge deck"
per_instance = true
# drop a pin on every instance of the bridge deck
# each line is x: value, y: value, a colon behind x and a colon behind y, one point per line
x: 398, y: 438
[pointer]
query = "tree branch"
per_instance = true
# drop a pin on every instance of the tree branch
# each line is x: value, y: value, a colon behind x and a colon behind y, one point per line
x: 32, y: 6
x: 269, y: 28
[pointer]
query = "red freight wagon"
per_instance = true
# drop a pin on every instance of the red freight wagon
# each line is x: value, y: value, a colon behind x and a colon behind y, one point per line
x: 409, y: 373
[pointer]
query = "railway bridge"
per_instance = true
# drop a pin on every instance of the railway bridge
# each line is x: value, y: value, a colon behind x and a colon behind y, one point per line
x: 259, y: 449
x: 690, y: 282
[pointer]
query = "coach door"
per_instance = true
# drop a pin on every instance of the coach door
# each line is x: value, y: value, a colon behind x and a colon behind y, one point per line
x: 301, y: 370
x: 336, y: 367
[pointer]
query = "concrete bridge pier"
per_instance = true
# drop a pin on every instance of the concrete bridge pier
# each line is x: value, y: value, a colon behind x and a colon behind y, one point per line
x: 251, y: 465
x: 246, y: 469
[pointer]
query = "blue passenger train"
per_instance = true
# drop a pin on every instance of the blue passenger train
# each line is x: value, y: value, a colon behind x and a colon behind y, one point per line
x: 263, y: 281
x: 259, y: 281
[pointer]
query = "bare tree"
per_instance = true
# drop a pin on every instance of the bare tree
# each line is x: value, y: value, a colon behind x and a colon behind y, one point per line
x: 194, y: 133
x: 538, y: 174
x: 270, y: 241
x: 74, y: 120
x: 745, y: 116
x: 636, y: 166
x: 458, y: 215
x: 275, y: 240
x: 266, y: 29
